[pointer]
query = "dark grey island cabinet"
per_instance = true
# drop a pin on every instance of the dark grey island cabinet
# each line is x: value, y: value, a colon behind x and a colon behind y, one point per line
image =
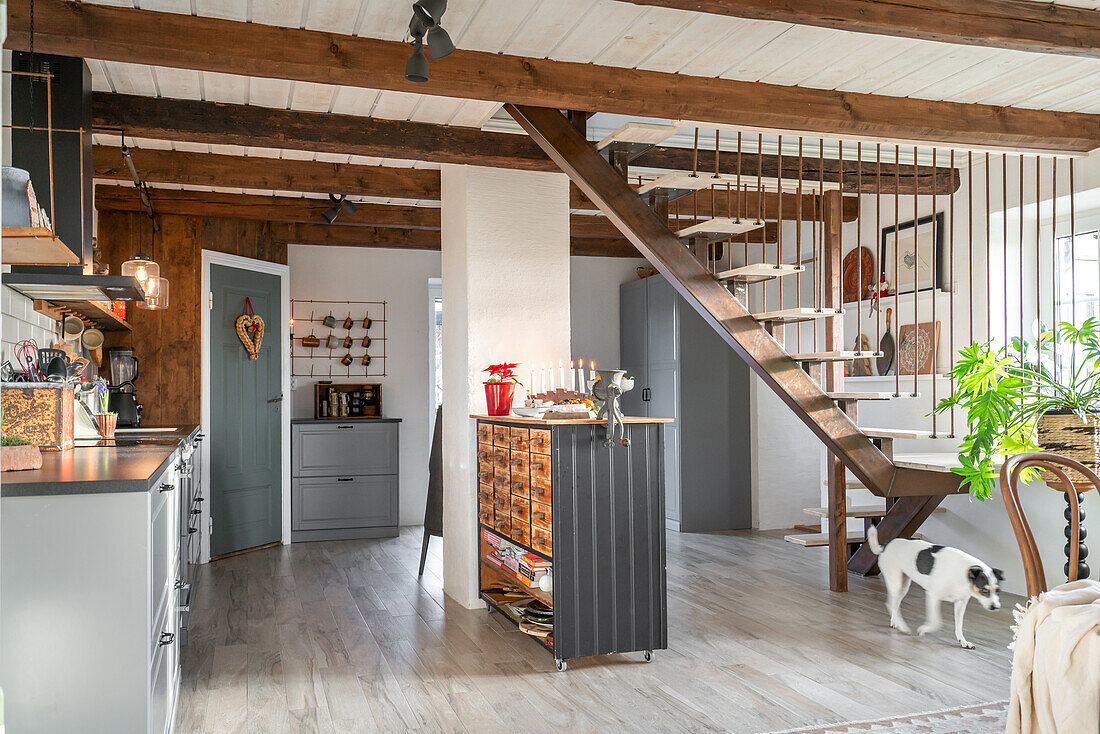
x: 344, y: 481
x: 551, y: 495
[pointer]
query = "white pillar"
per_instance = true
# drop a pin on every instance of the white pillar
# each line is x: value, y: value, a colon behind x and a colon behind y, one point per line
x: 505, y: 237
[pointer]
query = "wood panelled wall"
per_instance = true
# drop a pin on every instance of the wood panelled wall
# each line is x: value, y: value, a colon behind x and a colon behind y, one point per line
x: 167, y: 342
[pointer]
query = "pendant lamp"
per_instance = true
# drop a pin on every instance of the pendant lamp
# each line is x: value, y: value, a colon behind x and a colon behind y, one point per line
x: 156, y: 287
x: 141, y: 266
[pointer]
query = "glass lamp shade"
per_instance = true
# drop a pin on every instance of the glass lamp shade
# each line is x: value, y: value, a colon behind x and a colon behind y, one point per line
x: 156, y: 295
x: 142, y: 267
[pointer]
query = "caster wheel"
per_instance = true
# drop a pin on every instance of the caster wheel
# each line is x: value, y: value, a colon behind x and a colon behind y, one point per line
x: 562, y: 665
x: 648, y: 655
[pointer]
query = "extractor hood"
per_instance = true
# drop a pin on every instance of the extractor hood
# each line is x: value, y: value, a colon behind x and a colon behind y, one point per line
x: 74, y: 286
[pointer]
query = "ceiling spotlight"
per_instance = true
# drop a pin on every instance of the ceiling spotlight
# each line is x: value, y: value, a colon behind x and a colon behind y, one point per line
x: 339, y: 204
x: 416, y: 68
x: 439, y: 42
x: 430, y: 11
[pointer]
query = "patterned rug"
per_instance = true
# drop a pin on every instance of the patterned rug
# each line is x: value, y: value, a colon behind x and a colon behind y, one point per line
x: 986, y: 718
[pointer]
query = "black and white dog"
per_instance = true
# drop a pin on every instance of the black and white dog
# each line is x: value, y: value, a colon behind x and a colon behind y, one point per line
x: 945, y: 574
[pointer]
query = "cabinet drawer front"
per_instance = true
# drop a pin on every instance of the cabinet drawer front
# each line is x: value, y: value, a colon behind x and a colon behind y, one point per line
x: 520, y: 486
x: 540, y: 490
x: 520, y: 439
x: 540, y: 516
x: 325, y: 503
x: 350, y: 449
x: 501, y: 483
x: 521, y: 509
x: 485, y: 515
x: 541, y: 540
x: 485, y: 472
x: 540, y: 468
x: 500, y: 461
x: 485, y: 433
x: 502, y: 503
x: 521, y: 532
x: 520, y: 463
x: 484, y: 453
x: 502, y: 524
x: 485, y: 495
x: 502, y: 437
x: 540, y: 440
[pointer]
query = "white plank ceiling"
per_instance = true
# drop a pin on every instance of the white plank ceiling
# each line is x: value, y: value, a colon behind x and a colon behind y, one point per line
x: 614, y: 34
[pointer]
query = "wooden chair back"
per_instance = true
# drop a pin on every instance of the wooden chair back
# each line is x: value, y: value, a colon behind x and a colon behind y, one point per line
x: 1058, y: 479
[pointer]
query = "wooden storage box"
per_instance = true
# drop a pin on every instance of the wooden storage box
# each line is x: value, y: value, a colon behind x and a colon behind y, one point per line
x: 39, y: 412
x: 368, y: 404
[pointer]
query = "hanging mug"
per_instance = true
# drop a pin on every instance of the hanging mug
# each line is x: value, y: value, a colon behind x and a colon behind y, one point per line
x: 348, y: 323
x: 366, y: 360
x: 345, y: 360
x: 332, y: 342
x: 311, y: 341
x: 347, y: 342
x: 366, y: 341
x: 367, y: 322
x: 329, y: 321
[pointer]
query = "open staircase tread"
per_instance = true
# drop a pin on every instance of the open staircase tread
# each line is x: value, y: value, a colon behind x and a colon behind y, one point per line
x: 647, y: 133
x: 941, y: 462
x: 758, y: 272
x: 861, y: 395
x: 905, y: 433
x: 723, y: 226
x: 857, y: 511
x: 815, y: 540
x: 800, y: 313
x: 839, y: 356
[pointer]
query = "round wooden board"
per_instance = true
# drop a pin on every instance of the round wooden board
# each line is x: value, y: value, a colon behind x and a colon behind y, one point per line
x: 858, y: 273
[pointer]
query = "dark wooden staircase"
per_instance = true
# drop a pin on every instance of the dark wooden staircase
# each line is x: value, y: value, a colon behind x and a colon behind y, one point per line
x: 911, y: 494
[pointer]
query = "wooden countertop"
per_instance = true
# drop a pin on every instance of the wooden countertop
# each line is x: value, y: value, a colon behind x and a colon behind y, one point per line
x: 566, y: 422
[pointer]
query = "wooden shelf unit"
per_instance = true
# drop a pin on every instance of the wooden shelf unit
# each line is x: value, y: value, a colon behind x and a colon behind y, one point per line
x: 550, y: 489
x: 370, y: 401
x: 35, y: 246
x: 92, y: 313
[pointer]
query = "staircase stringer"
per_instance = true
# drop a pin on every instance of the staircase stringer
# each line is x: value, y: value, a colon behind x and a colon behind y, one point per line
x: 730, y: 319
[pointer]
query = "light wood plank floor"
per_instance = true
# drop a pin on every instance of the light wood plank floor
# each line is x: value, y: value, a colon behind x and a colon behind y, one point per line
x: 343, y: 637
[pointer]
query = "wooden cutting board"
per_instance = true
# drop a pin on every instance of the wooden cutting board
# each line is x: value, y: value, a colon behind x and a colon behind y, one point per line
x: 857, y: 273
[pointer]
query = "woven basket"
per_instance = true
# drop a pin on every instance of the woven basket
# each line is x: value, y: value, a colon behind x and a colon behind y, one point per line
x: 1065, y: 434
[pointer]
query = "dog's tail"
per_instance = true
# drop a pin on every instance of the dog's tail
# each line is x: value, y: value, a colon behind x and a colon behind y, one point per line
x: 872, y: 540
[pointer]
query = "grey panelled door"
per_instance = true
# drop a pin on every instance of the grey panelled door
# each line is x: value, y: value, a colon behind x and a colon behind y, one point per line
x: 245, y: 409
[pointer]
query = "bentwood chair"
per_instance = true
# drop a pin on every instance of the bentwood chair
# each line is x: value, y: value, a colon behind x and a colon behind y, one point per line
x: 1057, y: 469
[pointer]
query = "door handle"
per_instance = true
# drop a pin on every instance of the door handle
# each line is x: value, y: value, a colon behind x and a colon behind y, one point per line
x: 276, y: 400
x: 345, y: 479
x: 646, y: 393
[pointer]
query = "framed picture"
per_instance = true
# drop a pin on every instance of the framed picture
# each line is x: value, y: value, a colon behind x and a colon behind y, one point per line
x: 917, y: 345
x: 915, y: 255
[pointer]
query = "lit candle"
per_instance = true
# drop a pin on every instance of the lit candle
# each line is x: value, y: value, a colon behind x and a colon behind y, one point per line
x: 592, y: 370
x: 531, y: 384
x: 542, y: 377
x: 561, y: 373
x: 572, y: 377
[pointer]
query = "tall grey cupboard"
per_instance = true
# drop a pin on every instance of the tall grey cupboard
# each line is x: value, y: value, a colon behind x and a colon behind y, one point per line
x: 684, y: 371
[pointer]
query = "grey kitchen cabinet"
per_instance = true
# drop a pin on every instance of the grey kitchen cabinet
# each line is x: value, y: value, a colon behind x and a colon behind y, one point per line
x: 344, y: 481
x: 684, y: 371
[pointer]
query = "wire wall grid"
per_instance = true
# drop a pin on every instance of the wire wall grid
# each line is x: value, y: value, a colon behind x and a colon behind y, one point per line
x: 324, y: 362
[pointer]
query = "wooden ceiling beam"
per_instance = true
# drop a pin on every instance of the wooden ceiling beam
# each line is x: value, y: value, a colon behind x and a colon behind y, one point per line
x: 253, y: 49
x: 257, y: 172
x: 1014, y: 24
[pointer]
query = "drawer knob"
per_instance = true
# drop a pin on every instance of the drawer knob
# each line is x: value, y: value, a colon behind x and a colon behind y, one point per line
x: 166, y: 638
x: 345, y: 479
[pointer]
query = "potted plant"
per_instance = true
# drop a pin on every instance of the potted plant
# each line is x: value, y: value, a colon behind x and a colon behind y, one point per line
x: 1014, y: 404
x: 106, y: 420
x: 17, y: 454
x: 500, y: 388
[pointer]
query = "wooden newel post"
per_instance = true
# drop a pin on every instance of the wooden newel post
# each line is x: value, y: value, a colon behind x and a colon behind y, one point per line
x: 833, y: 299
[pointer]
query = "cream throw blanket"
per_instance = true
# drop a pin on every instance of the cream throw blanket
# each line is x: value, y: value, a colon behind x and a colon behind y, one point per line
x: 1056, y: 662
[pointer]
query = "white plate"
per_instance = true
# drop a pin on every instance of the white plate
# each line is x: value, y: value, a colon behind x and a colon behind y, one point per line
x: 529, y: 412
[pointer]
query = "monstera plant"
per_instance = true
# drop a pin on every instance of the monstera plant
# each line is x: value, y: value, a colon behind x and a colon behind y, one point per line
x: 1015, y: 401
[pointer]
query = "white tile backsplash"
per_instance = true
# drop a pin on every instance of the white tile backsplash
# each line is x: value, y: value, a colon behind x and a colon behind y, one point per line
x: 20, y: 321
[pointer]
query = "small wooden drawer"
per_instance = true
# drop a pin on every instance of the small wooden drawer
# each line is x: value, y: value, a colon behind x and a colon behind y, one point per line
x: 485, y: 433
x: 485, y: 494
x: 502, y: 504
x: 521, y: 439
x: 540, y: 441
x: 540, y: 490
x: 485, y: 515
x: 501, y: 485
x: 485, y: 472
x: 540, y: 516
x: 521, y: 532
x: 502, y: 524
x: 484, y: 452
x: 540, y: 467
x: 541, y: 540
x: 502, y: 436
x: 521, y: 508
x: 520, y: 486
x: 520, y: 463
x: 500, y: 461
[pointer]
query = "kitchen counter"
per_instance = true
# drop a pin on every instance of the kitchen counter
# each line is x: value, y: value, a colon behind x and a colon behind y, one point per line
x: 349, y: 419
x: 95, y: 467
x: 564, y: 421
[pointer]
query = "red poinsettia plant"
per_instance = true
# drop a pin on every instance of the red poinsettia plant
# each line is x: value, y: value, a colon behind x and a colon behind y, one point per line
x: 503, y: 372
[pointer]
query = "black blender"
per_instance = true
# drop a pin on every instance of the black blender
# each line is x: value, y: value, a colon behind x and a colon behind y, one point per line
x: 123, y: 398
